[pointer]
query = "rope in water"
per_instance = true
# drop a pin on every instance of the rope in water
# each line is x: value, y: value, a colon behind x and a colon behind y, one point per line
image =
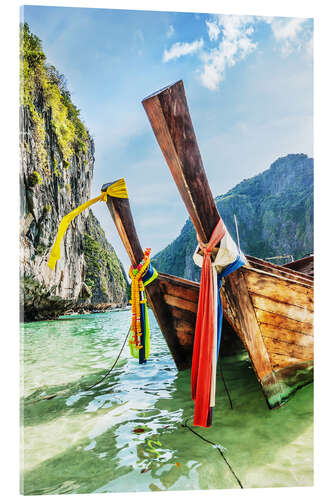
x: 51, y: 396
x: 215, y: 445
x: 114, y: 364
x: 225, y: 385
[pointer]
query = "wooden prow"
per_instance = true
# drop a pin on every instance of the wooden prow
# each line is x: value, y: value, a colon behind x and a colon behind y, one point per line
x: 170, y: 119
x: 166, y: 295
x: 121, y: 213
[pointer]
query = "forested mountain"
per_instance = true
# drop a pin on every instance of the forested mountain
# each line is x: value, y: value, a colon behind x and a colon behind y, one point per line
x: 274, y: 212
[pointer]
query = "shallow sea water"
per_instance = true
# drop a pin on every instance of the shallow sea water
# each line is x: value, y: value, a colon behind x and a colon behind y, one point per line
x: 83, y: 441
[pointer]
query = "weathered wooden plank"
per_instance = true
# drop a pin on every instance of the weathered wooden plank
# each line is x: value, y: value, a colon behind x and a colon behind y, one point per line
x: 304, y: 265
x: 180, y: 303
x: 280, y: 289
x: 305, y: 342
x: 189, y: 316
x: 282, y: 360
x: 278, y: 273
x: 185, y: 339
x: 184, y: 326
x: 293, y: 350
x: 175, y: 280
x: 277, y: 321
x: 238, y: 293
x: 287, y: 310
x: 230, y: 313
x: 256, y: 262
x: 186, y: 293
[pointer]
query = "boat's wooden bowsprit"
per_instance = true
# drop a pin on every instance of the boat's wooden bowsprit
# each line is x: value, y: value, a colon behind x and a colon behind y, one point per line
x: 269, y: 306
x: 173, y: 300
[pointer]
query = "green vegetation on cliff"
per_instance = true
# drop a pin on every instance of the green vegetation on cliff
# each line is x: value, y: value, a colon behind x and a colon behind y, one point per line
x: 274, y: 211
x: 41, y: 82
x: 105, y: 275
x: 57, y: 162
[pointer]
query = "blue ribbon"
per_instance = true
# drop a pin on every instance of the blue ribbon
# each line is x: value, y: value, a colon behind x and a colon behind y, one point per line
x: 238, y: 262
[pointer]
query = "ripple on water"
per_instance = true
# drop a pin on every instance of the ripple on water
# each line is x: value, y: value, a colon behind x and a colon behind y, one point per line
x: 87, y: 440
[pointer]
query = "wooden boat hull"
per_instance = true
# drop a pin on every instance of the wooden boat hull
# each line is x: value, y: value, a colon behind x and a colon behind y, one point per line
x: 269, y: 308
x: 177, y: 315
x: 273, y: 315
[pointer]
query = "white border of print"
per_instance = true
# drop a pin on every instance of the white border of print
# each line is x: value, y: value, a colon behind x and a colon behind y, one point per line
x: 321, y: 11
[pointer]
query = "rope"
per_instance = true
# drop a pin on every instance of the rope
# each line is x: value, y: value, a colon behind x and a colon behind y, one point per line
x: 114, y: 364
x: 215, y: 445
x: 51, y: 396
x: 225, y: 385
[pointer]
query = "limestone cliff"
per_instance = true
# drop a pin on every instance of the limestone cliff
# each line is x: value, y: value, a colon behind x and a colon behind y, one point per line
x: 104, y: 273
x: 57, y: 162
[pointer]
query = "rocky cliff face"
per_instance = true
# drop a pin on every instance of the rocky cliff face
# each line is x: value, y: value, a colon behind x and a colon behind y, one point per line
x: 104, y: 273
x: 274, y: 212
x: 57, y: 161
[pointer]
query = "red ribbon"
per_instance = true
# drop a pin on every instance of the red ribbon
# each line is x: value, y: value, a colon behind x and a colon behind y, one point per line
x: 204, y: 334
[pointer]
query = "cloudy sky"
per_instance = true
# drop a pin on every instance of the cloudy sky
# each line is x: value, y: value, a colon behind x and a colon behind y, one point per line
x: 248, y: 82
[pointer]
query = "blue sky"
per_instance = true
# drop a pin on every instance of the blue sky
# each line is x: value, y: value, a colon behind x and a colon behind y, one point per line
x: 249, y: 85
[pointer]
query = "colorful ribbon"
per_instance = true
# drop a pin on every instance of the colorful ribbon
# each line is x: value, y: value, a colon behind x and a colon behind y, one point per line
x: 204, y: 333
x: 208, y: 330
x: 116, y: 190
x: 142, y: 276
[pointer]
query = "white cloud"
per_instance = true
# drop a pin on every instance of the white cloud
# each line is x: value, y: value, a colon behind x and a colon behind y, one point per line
x: 236, y: 44
x: 213, y: 30
x: 286, y: 29
x: 234, y: 26
x: 232, y: 40
x: 170, y: 31
x: 182, y: 49
x: 291, y: 34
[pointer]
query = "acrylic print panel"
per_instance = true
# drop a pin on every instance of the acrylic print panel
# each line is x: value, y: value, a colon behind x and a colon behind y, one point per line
x: 94, y: 418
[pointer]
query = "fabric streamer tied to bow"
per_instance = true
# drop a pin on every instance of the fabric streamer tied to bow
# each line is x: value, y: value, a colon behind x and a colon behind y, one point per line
x: 116, y: 190
x: 209, y: 321
x: 139, y: 341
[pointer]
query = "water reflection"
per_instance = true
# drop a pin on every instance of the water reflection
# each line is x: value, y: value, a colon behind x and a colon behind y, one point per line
x: 88, y: 441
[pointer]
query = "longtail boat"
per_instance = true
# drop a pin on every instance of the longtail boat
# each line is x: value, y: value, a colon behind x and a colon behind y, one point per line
x: 270, y: 307
x: 173, y: 300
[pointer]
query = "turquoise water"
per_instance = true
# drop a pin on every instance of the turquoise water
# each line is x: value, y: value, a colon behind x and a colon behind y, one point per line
x: 83, y: 441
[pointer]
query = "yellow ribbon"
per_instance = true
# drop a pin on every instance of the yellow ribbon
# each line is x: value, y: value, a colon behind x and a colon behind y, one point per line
x: 117, y: 190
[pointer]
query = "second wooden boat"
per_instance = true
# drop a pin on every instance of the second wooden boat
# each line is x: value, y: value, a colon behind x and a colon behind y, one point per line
x: 269, y: 306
